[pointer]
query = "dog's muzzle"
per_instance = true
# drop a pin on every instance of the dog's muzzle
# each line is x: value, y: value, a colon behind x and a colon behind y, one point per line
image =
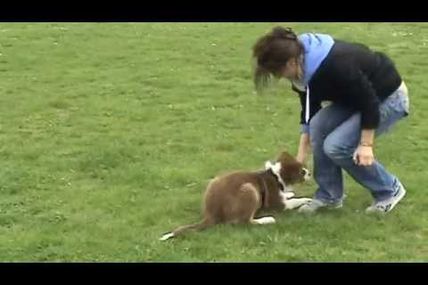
x: 306, y: 174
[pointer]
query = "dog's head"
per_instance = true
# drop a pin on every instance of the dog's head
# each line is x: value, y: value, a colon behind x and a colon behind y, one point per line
x: 288, y: 170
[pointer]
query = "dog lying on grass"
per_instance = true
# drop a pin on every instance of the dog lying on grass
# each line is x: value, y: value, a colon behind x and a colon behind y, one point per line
x: 237, y: 197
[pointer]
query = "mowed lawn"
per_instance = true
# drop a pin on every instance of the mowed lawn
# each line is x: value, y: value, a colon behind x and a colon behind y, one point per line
x: 109, y: 133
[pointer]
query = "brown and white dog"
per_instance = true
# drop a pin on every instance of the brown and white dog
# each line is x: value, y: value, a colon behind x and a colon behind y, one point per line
x: 236, y: 197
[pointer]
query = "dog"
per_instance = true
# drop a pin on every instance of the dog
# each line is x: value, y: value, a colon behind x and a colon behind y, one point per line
x: 236, y: 197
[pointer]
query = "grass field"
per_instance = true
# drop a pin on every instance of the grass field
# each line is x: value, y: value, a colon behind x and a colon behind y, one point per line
x: 110, y: 132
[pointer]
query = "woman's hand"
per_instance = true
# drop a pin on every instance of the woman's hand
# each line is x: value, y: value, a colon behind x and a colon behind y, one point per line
x: 363, y: 155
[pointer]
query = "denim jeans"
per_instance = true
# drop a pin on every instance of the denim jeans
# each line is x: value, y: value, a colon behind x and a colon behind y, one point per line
x: 335, y: 134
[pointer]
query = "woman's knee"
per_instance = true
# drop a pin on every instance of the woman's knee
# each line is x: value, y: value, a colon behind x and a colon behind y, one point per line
x: 337, y: 149
x: 324, y: 122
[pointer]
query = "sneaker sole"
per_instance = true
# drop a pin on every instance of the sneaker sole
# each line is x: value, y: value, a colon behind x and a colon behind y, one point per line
x: 392, y: 205
x: 399, y: 198
x: 328, y: 207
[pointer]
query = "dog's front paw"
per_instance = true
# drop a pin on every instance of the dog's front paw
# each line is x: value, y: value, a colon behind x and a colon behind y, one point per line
x: 294, y: 203
x: 306, y: 200
x: 264, y: 221
x: 288, y: 195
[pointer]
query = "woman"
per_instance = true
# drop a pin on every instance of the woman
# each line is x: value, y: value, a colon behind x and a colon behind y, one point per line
x: 367, y: 97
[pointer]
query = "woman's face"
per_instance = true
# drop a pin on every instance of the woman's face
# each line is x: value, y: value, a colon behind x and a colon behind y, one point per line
x: 291, y: 69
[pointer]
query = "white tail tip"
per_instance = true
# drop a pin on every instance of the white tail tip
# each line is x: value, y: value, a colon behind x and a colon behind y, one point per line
x: 167, y: 236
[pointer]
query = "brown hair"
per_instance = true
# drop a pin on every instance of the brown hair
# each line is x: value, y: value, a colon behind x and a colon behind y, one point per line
x: 272, y: 51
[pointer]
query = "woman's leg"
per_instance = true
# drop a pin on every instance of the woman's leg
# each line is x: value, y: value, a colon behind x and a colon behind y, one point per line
x: 327, y: 173
x: 339, y: 146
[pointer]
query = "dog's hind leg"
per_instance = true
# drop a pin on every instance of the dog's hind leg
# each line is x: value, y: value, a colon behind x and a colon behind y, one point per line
x: 250, y: 201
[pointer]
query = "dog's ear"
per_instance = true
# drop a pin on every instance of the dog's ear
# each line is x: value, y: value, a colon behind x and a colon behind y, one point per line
x: 275, y: 167
x: 268, y: 165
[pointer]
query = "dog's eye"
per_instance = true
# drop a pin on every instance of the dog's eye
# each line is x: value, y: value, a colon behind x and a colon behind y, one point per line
x: 303, y: 172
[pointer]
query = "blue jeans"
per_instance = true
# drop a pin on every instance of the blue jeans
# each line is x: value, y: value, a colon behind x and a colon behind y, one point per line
x: 335, y: 134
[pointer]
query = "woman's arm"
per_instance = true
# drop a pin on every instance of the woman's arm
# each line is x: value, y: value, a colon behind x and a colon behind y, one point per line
x: 304, y: 148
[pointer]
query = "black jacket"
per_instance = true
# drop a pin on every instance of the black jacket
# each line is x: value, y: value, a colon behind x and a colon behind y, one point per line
x: 354, y: 76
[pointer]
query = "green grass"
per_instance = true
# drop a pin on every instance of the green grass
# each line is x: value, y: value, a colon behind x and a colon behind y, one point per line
x: 109, y: 133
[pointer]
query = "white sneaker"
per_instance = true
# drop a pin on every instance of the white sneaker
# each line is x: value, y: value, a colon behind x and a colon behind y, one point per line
x: 315, y: 204
x: 387, y: 205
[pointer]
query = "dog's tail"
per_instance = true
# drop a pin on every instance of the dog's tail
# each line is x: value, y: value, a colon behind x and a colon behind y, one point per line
x: 183, y: 229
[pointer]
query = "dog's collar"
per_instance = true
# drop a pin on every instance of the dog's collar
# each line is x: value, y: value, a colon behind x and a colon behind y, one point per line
x: 275, y: 169
x: 263, y: 193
